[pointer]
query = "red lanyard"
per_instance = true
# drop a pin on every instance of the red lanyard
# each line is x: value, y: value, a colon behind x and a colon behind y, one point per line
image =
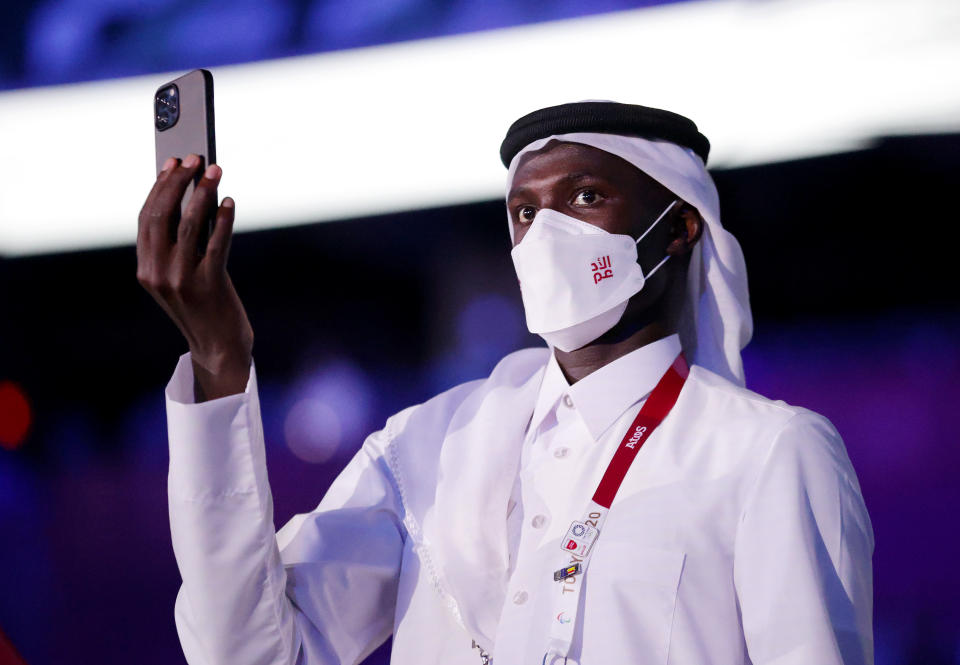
x: 578, y: 543
x: 654, y: 410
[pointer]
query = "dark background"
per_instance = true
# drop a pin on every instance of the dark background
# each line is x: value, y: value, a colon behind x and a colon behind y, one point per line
x: 853, y: 285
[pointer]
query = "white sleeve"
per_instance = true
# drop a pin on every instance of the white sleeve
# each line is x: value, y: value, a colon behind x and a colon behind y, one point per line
x: 802, y: 558
x: 322, y: 590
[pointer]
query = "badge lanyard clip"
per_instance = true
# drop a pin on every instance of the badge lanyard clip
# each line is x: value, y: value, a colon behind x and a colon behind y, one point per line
x: 484, y: 656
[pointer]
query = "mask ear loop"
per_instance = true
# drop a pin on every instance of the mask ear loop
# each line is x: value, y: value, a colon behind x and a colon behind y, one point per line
x: 649, y: 229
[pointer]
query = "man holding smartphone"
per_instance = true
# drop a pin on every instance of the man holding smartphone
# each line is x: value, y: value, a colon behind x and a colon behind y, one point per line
x: 617, y: 497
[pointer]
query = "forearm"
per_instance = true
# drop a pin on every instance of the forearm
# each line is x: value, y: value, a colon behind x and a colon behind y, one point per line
x: 250, y: 595
x: 232, y: 606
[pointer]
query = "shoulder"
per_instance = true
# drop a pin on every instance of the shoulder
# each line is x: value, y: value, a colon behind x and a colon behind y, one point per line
x: 738, y: 398
x: 737, y: 407
x: 781, y: 446
x: 766, y: 431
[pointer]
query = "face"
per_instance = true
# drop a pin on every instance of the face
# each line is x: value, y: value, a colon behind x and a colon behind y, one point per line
x: 602, y: 189
x: 586, y: 183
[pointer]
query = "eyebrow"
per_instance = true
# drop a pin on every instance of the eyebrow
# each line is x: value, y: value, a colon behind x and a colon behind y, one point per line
x: 564, y: 179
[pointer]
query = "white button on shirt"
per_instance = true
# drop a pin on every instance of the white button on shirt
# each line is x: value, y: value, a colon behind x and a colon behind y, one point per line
x: 739, y: 534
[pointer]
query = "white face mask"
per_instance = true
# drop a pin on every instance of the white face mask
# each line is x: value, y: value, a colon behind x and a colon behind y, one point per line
x: 576, y: 278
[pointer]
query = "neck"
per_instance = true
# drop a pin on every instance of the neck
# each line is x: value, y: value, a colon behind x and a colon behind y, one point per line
x: 581, y: 362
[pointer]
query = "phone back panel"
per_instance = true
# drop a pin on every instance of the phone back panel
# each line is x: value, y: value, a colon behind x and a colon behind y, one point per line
x: 192, y: 128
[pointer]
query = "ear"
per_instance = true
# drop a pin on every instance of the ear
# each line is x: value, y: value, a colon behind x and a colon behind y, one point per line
x: 686, y: 227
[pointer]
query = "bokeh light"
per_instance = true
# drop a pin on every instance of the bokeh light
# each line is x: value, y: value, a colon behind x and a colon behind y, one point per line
x: 312, y: 430
x: 490, y: 324
x: 330, y: 412
x: 15, y: 415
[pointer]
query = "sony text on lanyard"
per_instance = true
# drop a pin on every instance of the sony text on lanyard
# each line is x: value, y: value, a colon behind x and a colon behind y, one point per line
x: 580, y: 538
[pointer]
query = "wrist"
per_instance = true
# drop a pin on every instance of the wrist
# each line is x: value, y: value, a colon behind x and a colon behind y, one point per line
x: 220, y: 373
x: 222, y: 360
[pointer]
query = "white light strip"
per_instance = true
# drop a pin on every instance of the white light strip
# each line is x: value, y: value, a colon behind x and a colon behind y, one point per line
x: 418, y: 124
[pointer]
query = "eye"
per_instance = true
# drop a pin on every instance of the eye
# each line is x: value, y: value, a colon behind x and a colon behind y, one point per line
x: 525, y: 214
x: 586, y: 197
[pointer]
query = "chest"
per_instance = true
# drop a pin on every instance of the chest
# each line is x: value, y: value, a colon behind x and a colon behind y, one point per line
x: 680, y: 493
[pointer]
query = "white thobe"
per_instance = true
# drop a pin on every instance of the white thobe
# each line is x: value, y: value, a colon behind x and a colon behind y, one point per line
x: 738, y: 536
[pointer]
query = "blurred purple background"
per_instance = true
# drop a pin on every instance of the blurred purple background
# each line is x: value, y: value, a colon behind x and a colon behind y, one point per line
x: 855, y: 305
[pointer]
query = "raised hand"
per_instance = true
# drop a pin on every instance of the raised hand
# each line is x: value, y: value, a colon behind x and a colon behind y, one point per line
x: 194, y: 289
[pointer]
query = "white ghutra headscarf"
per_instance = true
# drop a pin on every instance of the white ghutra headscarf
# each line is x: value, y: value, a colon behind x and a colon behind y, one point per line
x: 716, y: 323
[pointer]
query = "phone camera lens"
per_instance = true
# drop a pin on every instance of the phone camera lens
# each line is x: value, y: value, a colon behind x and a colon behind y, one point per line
x: 166, y: 108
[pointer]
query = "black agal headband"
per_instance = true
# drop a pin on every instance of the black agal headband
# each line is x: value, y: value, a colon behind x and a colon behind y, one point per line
x: 603, y: 118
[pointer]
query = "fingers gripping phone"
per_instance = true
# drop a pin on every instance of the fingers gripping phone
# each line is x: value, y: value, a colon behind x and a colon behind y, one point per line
x: 183, y: 124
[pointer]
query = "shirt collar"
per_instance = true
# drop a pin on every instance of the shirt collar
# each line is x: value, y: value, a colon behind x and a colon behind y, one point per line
x: 604, y: 395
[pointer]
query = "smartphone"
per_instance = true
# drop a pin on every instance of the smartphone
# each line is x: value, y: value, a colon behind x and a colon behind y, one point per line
x: 183, y: 124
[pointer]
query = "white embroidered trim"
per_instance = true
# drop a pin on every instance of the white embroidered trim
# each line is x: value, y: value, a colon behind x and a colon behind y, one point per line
x: 413, y: 528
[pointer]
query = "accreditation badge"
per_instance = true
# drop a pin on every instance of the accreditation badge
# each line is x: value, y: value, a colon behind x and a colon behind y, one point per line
x: 569, y: 571
x: 579, y: 539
